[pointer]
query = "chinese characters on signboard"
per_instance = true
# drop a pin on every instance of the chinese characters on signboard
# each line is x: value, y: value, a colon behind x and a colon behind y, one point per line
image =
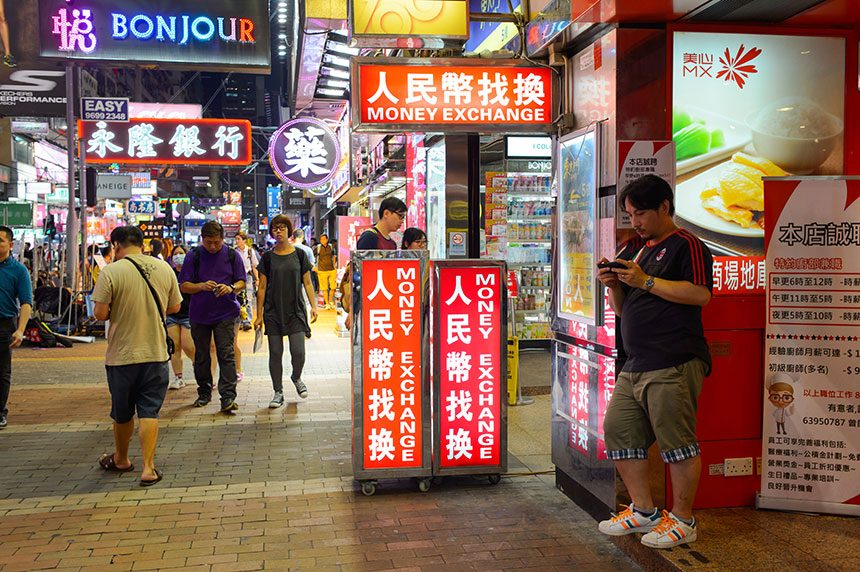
x: 416, y: 181
x: 168, y: 141
x: 639, y: 158
x: 738, y: 275
x: 304, y: 153
x: 349, y: 228
x: 391, y: 364
x: 224, y: 33
x: 812, y: 403
x: 141, y: 207
x: 471, y: 392
x: 496, y: 96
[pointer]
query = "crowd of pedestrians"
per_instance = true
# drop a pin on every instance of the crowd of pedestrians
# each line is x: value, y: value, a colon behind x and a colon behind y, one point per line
x: 165, y: 303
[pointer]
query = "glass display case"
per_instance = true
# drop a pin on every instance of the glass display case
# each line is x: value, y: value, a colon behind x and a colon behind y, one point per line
x: 518, y: 229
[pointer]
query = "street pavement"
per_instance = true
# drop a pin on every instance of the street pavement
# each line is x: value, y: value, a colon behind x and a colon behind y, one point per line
x: 264, y: 489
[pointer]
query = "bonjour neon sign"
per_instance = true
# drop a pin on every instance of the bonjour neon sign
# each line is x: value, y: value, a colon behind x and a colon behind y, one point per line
x: 80, y: 27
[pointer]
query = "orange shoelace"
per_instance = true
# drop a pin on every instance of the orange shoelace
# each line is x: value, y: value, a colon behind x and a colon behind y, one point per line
x: 667, y: 523
x: 626, y: 513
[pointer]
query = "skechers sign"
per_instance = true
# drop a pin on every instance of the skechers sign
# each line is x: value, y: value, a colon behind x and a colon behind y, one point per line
x: 227, y: 34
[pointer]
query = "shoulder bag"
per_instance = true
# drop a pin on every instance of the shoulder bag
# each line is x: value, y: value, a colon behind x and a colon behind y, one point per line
x: 161, y: 315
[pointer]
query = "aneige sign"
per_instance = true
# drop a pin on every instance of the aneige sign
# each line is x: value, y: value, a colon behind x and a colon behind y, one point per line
x: 450, y: 95
x: 221, y: 33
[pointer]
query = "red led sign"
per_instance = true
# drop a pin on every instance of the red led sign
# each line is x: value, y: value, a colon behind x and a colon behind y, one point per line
x: 391, y: 364
x: 470, y: 366
x: 167, y: 141
x: 422, y: 95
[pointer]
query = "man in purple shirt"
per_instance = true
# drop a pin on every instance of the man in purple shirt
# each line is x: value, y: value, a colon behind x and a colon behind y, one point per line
x: 212, y: 274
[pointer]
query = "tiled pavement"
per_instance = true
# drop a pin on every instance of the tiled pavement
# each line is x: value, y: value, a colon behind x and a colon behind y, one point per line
x: 264, y: 489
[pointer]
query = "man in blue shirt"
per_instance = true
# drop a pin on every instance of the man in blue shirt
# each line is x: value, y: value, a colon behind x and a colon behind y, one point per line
x: 16, y: 301
x: 212, y: 274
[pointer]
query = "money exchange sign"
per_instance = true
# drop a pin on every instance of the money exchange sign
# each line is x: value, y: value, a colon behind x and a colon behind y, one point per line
x: 391, y: 364
x: 167, y: 141
x: 424, y: 95
x: 469, y: 364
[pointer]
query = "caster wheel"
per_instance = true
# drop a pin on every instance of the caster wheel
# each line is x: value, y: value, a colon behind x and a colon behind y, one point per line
x: 368, y: 488
x: 423, y: 485
x: 494, y: 479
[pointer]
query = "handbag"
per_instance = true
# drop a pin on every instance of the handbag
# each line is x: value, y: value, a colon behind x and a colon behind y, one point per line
x: 169, y: 341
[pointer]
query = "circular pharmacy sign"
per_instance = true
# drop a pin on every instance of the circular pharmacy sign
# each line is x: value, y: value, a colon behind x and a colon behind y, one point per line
x: 304, y: 152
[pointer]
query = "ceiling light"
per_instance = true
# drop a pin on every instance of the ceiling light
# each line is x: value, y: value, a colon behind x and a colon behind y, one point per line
x: 336, y: 83
x: 336, y: 61
x: 331, y: 92
x: 335, y: 72
x: 341, y: 49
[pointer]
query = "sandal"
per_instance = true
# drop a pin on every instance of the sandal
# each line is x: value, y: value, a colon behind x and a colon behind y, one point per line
x: 158, y: 477
x: 108, y: 463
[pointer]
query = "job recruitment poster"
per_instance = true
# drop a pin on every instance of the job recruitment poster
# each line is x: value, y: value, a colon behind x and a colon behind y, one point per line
x: 811, y: 436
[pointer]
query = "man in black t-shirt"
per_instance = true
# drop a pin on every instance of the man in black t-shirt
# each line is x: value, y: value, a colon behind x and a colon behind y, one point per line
x: 658, y: 293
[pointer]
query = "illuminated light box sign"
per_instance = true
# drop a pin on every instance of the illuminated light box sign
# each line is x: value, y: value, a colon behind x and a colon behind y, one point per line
x: 139, y: 110
x: 230, y: 34
x: 444, y: 19
x: 470, y: 358
x: 304, y: 152
x: 167, y: 141
x: 528, y: 147
x: 451, y: 95
x: 391, y: 364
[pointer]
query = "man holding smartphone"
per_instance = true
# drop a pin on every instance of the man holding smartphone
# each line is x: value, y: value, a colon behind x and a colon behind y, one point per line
x: 212, y: 274
x: 657, y: 285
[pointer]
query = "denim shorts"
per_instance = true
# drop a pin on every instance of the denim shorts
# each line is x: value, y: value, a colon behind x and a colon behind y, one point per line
x: 181, y: 322
x: 137, y: 387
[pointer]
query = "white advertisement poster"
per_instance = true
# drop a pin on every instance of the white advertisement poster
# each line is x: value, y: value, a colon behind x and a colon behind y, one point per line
x: 639, y: 158
x: 744, y: 107
x: 811, y: 434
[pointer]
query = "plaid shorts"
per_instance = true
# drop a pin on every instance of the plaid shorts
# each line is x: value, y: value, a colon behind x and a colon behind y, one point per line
x: 659, y: 406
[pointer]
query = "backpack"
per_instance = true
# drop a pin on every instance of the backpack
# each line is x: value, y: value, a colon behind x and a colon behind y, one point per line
x: 380, y: 240
x: 195, y: 260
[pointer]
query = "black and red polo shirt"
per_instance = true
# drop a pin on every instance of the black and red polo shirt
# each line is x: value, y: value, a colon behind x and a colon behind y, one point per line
x: 656, y: 333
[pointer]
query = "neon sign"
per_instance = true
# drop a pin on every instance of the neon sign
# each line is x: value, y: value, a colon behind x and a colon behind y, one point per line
x: 233, y: 34
x: 168, y: 141
x: 304, y: 153
x: 202, y: 28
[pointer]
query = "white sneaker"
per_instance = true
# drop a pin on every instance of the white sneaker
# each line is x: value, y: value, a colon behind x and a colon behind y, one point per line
x: 176, y: 383
x: 671, y: 532
x: 628, y: 521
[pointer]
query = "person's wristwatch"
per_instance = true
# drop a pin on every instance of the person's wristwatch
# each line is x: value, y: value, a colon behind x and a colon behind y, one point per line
x: 649, y: 283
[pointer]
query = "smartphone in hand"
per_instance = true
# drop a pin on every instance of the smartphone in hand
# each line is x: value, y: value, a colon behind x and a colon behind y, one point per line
x: 612, y: 265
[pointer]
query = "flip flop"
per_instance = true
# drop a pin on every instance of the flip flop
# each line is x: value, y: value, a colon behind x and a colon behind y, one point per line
x: 108, y: 463
x: 158, y: 478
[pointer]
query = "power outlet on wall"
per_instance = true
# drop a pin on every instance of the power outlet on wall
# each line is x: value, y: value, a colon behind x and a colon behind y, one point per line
x: 740, y: 467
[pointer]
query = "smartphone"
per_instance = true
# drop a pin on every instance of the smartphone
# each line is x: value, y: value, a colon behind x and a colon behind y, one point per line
x: 610, y: 264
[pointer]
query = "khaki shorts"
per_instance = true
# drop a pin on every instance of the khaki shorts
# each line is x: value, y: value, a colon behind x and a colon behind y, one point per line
x: 650, y: 406
x: 328, y: 279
